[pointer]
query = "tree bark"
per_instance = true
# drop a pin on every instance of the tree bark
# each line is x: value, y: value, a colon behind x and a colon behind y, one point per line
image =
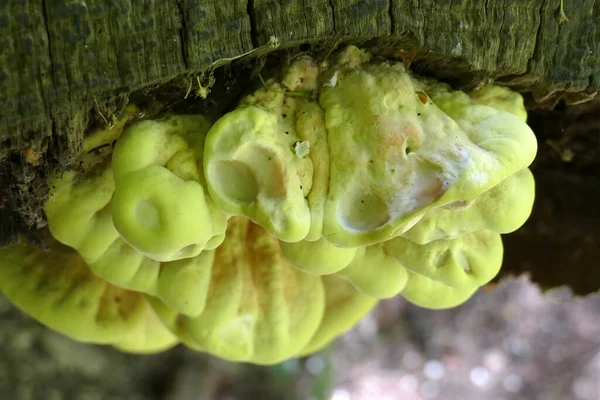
x: 63, y: 63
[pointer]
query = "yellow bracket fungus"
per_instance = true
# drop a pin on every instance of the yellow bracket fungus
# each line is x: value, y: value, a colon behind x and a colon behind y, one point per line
x: 58, y: 289
x: 252, y: 169
x: 268, y: 233
x: 259, y: 308
x: 159, y: 204
x: 502, y: 209
x: 116, y: 230
x: 375, y: 272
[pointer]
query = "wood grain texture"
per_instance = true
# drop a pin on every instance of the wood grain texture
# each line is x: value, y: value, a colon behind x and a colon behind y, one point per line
x: 61, y: 58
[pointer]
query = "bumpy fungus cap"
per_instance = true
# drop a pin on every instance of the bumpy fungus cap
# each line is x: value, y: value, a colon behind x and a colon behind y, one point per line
x: 59, y: 290
x: 375, y: 272
x: 159, y: 205
x: 320, y: 257
x: 268, y: 234
x: 344, y: 307
x: 258, y: 307
x: 252, y: 169
x: 472, y: 259
x: 81, y: 211
x: 429, y: 293
x: 502, y: 209
x: 398, y: 154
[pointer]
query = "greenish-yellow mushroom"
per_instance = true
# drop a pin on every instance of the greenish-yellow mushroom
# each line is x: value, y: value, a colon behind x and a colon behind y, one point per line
x: 319, y: 257
x: 502, y: 209
x: 344, y: 307
x: 252, y: 169
x: 259, y: 308
x: 58, y: 289
x: 472, y: 259
x: 376, y: 273
x: 269, y: 233
x: 428, y: 293
x: 398, y: 154
x: 159, y: 205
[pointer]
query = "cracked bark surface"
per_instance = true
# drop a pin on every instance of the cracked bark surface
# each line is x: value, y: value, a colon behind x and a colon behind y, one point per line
x: 65, y: 64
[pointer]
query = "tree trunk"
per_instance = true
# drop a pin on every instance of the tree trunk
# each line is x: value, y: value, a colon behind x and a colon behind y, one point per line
x: 65, y: 63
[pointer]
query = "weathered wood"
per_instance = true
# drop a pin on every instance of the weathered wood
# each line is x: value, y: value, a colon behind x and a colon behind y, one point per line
x: 61, y: 58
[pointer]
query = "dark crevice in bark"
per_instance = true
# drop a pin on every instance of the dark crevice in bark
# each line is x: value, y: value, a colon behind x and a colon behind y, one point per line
x: 591, y: 85
x: 182, y: 34
x: 333, y: 16
x: 485, y: 11
x: 391, y: 15
x: 537, y: 36
x: 10, y: 227
x: 500, y: 30
x: 49, y: 43
x: 253, y: 27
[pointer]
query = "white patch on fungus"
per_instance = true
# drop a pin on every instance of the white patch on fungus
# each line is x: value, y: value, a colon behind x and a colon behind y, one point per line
x: 302, y: 148
x: 333, y: 81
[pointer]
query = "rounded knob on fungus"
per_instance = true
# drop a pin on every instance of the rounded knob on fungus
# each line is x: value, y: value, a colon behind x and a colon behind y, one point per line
x: 344, y: 307
x: 258, y: 309
x: 251, y: 169
x: 58, y: 289
x: 396, y: 154
x: 151, y: 142
x: 376, y: 273
x: 161, y: 215
x: 159, y: 206
x: 472, y: 259
x: 79, y: 213
x: 319, y: 257
x: 502, y: 209
x: 124, y: 266
x: 428, y: 293
x: 184, y: 284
